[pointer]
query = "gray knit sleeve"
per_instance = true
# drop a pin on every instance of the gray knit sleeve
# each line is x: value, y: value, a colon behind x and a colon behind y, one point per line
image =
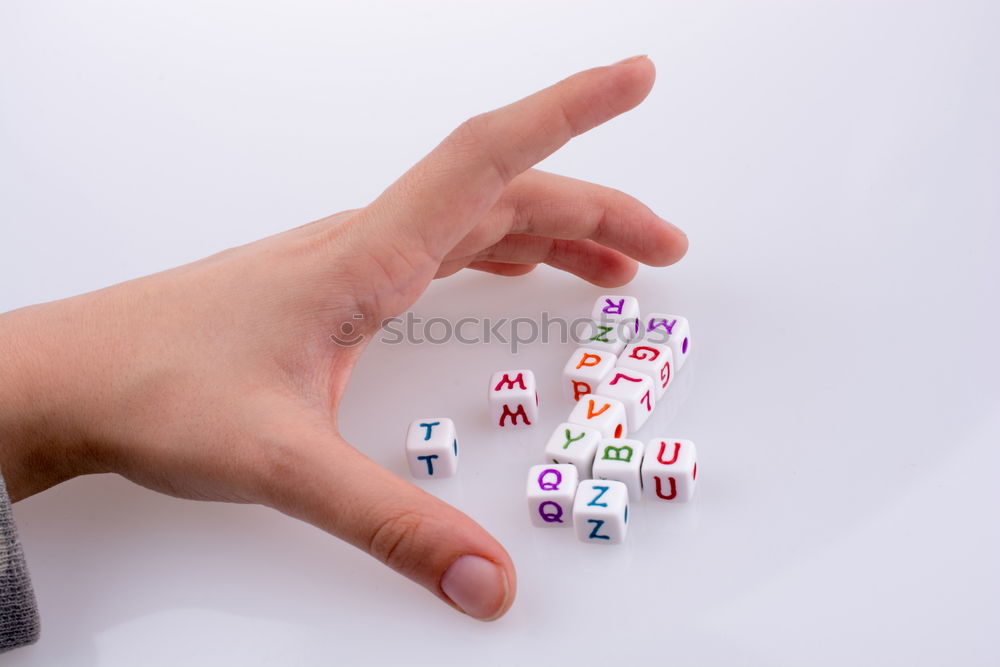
x: 18, y: 611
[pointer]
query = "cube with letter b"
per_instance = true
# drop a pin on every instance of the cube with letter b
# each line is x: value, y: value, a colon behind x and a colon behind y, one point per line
x: 620, y: 460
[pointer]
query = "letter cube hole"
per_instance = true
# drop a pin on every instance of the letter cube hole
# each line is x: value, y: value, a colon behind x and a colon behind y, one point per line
x: 672, y: 330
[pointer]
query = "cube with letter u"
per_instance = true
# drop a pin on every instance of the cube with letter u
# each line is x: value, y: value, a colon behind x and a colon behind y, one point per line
x: 669, y: 470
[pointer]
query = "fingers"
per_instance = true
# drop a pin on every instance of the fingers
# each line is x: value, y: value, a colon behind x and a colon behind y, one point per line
x: 330, y: 484
x: 544, y: 204
x: 502, y: 269
x: 589, y: 260
x: 541, y: 204
x: 435, y: 203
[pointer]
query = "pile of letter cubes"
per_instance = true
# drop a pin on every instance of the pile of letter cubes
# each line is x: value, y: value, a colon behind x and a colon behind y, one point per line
x: 592, y: 469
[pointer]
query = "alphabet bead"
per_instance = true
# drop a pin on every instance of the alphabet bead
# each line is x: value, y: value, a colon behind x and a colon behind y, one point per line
x: 671, y: 330
x: 605, y: 414
x: 634, y: 390
x: 551, y: 491
x: 653, y: 359
x: 432, y: 448
x: 573, y: 444
x: 618, y: 309
x: 669, y: 470
x: 600, y: 511
x: 621, y: 460
x: 609, y: 335
x: 513, y: 399
x: 586, y: 369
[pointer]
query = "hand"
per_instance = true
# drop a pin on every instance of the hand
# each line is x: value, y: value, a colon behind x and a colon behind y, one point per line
x: 218, y: 380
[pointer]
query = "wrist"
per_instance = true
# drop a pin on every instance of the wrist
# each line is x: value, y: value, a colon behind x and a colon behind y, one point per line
x: 40, y: 437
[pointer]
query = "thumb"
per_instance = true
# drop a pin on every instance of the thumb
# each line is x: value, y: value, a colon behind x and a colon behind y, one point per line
x: 336, y: 488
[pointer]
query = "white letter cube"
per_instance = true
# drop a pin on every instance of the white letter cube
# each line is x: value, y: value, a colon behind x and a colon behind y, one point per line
x: 432, y: 448
x: 606, y: 415
x: 652, y: 359
x: 600, y: 511
x: 669, y: 470
x: 621, y: 460
x: 672, y: 330
x: 586, y: 369
x: 513, y: 398
x: 615, y: 308
x: 609, y: 335
x: 573, y: 444
x: 635, y: 391
x: 551, y: 490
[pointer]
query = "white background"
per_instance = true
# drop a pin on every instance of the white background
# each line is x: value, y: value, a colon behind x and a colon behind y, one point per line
x: 836, y: 167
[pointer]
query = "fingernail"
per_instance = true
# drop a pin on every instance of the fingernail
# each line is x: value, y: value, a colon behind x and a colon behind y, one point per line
x: 477, y: 586
x: 632, y: 59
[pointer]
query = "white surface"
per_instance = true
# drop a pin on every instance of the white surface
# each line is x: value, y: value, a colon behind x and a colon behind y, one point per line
x: 836, y: 168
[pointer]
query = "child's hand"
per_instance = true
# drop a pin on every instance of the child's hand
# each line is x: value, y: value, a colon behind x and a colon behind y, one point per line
x: 219, y: 380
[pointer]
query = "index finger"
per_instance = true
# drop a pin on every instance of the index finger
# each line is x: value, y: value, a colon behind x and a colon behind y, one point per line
x: 434, y: 204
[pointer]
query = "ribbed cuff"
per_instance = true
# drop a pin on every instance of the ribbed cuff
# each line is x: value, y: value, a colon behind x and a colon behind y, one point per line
x: 18, y: 609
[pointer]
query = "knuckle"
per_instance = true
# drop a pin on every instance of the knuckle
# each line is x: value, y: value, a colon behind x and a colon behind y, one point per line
x: 396, y: 538
x: 475, y: 138
x: 472, y: 132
